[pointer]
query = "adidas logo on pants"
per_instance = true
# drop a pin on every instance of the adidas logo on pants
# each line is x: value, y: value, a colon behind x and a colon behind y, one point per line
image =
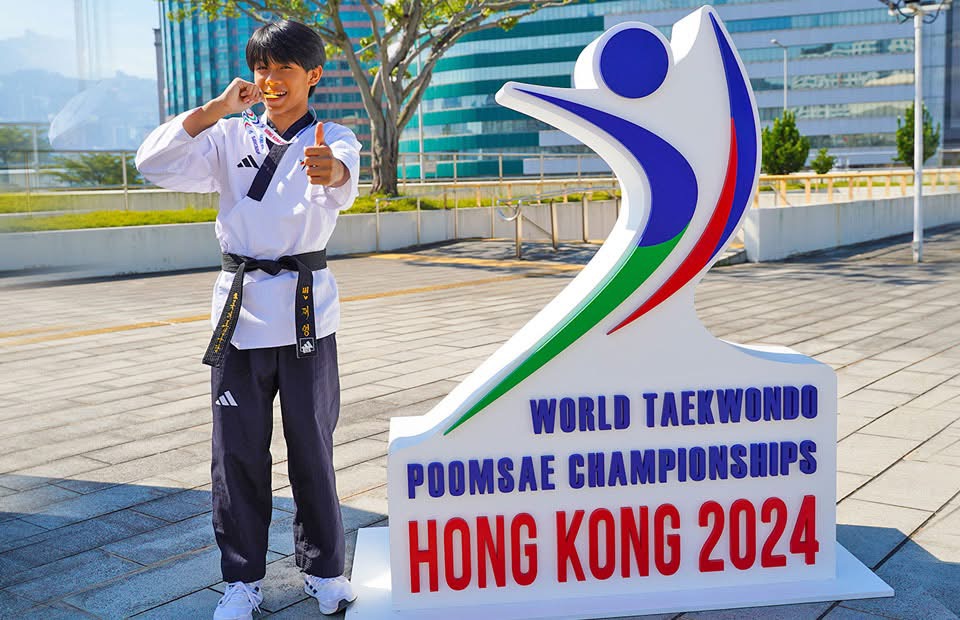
x: 226, y: 400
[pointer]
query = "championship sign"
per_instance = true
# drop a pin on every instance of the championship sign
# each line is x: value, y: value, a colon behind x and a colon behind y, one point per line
x: 613, y: 457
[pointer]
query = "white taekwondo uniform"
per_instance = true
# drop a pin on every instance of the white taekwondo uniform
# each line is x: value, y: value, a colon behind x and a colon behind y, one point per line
x: 293, y: 216
x: 270, y: 212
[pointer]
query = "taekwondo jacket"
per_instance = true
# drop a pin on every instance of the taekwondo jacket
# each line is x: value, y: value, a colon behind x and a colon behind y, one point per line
x: 292, y: 217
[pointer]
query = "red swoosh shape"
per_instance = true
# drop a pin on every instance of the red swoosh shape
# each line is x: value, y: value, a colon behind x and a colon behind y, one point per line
x: 703, y: 250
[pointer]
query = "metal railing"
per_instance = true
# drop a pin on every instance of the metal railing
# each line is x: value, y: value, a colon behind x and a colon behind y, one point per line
x: 518, y: 217
x: 805, y: 188
x: 42, y: 174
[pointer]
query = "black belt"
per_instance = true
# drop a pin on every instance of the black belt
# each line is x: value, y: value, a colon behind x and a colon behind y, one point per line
x: 304, y: 264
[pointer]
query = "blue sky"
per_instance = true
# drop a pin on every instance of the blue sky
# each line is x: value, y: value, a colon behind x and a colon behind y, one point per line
x: 125, y: 26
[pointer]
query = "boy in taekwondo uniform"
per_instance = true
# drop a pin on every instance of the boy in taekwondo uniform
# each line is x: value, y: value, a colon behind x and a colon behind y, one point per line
x: 282, y: 178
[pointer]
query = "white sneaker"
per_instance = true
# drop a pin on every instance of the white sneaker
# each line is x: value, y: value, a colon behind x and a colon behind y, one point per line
x: 333, y: 593
x: 239, y: 601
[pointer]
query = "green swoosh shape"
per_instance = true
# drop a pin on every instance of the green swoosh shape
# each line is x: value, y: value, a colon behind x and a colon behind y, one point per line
x: 630, y: 272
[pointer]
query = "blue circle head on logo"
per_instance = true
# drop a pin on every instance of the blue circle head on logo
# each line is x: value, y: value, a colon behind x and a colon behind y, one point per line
x: 634, y: 63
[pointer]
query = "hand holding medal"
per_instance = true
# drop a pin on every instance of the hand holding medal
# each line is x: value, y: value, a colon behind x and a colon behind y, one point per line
x: 238, y: 96
x: 235, y: 98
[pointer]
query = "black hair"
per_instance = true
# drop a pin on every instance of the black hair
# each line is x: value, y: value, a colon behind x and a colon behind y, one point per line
x: 286, y: 42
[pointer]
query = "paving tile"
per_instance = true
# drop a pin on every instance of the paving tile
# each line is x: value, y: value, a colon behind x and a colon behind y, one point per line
x: 867, y: 409
x: 152, y: 586
x: 34, y: 499
x: 357, y: 451
x: 906, y: 354
x: 63, y: 542
x: 780, y: 612
x: 150, y: 465
x: 913, y: 484
x: 57, y: 611
x: 364, y: 509
x: 147, y: 446
x: 92, y: 505
x: 848, y: 483
x: 875, y: 368
x: 910, y: 423
x: 166, y: 542
x: 13, y: 606
x: 869, y: 530
x: 304, y: 610
x: 12, y: 461
x: 84, y: 486
x: 73, y: 574
x: 870, y: 454
x: 361, y: 477
x: 849, y: 424
x: 845, y: 613
x: 15, y: 530
x: 935, y: 398
x: 179, y: 505
x: 925, y: 587
x: 61, y: 468
x: 198, y: 604
x: 880, y: 397
x: 280, y: 537
x: 910, y: 382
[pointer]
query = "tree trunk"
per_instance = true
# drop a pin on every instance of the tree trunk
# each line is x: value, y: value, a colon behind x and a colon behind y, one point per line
x: 386, y: 147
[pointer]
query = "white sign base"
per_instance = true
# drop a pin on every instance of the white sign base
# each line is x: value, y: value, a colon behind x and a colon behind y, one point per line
x: 371, y: 581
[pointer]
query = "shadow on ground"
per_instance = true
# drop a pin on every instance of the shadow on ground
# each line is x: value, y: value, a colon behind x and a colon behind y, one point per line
x: 117, y: 551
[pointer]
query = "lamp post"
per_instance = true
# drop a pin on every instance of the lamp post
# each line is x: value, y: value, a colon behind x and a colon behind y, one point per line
x: 917, y: 9
x: 784, y: 48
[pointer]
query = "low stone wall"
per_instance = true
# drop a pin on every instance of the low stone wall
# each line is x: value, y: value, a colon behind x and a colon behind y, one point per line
x: 769, y: 234
x: 772, y: 233
x: 170, y: 247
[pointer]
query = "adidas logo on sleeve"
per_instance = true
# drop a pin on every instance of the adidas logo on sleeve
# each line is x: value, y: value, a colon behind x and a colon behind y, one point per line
x: 248, y: 162
x: 226, y: 400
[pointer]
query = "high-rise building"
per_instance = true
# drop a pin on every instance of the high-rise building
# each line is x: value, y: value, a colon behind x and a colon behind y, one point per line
x: 203, y: 56
x: 951, y: 112
x: 849, y: 65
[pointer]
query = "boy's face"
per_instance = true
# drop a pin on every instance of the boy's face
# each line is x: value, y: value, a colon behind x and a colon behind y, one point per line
x: 285, y: 86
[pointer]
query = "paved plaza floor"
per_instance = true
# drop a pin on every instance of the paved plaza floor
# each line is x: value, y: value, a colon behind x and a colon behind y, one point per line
x: 105, y: 421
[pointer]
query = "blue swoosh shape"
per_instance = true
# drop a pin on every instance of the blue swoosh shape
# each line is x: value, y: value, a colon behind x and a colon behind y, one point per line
x: 741, y: 111
x: 672, y: 180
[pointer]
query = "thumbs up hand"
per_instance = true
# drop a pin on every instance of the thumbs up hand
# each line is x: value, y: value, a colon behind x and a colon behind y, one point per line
x: 321, y: 166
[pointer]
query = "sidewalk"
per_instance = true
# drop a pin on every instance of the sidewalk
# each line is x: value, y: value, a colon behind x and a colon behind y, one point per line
x: 104, y: 415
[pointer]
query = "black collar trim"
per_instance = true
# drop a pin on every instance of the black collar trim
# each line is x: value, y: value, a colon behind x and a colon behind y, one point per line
x: 299, y: 125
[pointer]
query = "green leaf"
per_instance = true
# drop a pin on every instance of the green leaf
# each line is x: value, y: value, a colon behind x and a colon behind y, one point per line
x: 823, y: 163
x: 905, y: 126
x: 784, y: 149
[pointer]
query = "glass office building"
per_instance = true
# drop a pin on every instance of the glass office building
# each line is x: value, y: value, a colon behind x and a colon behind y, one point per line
x: 951, y: 112
x: 849, y: 65
x: 202, y: 56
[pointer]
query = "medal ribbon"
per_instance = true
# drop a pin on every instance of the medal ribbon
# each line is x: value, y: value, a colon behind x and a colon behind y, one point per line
x: 260, y: 132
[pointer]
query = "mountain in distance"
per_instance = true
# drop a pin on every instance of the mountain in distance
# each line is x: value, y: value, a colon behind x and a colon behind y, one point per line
x: 37, y: 52
x: 112, y: 114
x: 38, y: 85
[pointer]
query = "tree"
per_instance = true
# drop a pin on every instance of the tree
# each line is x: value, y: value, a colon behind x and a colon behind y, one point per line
x: 381, y: 63
x: 784, y: 149
x: 95, y: 169
x: 823, y: 162
x: 14, y: 141
x: 931, y: 137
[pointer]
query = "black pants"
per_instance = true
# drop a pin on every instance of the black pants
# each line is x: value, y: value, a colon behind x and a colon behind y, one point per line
x: 243, y: 390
